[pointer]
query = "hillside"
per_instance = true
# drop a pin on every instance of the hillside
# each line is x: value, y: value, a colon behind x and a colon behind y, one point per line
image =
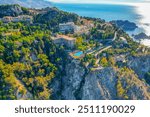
x: 28, y: 3
x: 91, y: 60
x: 12, y: 10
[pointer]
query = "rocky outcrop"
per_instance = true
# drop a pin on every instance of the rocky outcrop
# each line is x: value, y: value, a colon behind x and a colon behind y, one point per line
x: 141, y: 36
x: 54, y: 16
x: 100, y: 85
x: 11, y: 10
x: 132, y: 87
x: 73, y: 80
x: 66, y: 86
x: 27, y: 96
x: 125, y: 25
x: 140, y: 65
x: 104, y: 84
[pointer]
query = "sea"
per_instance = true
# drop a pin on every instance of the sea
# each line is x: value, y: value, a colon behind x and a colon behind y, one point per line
x: 137, y: 13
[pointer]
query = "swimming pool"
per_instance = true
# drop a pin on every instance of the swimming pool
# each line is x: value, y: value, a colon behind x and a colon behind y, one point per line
x: 78, y: 54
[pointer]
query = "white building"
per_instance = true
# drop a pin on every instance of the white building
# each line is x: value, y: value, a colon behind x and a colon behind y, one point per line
x: 67, y: 27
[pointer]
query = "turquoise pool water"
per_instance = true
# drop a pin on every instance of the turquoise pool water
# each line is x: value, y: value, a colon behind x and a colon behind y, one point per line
x: 78, y: 54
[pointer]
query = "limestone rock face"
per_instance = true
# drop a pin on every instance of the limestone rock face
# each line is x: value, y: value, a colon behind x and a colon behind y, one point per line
x: 10, y: 10
x: 140, y: 65
x: 79, y: 83
x: 73, y: 80
x: 100, y: 84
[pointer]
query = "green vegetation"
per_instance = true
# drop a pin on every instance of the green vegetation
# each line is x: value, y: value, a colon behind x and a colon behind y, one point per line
x: 102, y: 31
x: 12, y: 10
x: 147, y: 77
x: 120, y: 89
x: 104, y: 62
x: 28, y: 61
x: 54, y: 16
x: 80, y: 44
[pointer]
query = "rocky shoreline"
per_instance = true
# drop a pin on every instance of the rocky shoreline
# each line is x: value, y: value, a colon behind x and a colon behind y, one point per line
x: 141, y: 36
x: 125, y: 25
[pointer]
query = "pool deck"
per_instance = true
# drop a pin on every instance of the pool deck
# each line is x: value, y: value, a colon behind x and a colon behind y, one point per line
x: 95, y: 52
x: 76, y: 57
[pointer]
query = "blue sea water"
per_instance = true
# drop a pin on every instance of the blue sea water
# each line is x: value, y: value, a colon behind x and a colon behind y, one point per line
x: 110, y: 12
x: 105, y: 11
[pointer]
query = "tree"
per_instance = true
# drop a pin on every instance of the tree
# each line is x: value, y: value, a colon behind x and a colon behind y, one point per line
x: 16, y: 55
x: 2, y: 48
x: 104, y: 62
x: 147, y: 77
x: 120, y: 90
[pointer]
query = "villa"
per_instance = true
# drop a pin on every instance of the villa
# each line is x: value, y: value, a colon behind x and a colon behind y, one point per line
x: 64, y: 40
x: 6, y: 19
x: 67, y: 27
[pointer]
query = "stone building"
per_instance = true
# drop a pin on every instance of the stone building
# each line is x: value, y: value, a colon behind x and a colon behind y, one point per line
x: 6, y: 19
x: 21, y: 18
x: 64, y: 40
x: 67, y: 27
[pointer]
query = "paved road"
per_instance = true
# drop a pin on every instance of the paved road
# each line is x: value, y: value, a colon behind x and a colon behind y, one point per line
x: 100, y: 51
x: 115, y: 36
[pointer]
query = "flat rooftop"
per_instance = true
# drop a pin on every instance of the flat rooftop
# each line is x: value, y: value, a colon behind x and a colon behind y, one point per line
x: 68, y: 23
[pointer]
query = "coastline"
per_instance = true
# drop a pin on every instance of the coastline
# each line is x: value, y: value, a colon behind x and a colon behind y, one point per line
x: 144, y: 23
x: 140, y: 9
x: 143, y: 10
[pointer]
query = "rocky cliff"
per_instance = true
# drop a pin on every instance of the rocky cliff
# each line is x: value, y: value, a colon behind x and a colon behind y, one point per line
x: 107, y: 83
x: 140, y: 65
x: 11, y: 10
x: 33, y: 67
x: 100, y: 84
x: 125, y: 25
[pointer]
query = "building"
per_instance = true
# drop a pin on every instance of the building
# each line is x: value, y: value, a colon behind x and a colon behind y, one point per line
x: 6, y: 19
x: 64, y: 40
x: 67, y: 27
x: 120, y: 58
x: 21, y: 18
